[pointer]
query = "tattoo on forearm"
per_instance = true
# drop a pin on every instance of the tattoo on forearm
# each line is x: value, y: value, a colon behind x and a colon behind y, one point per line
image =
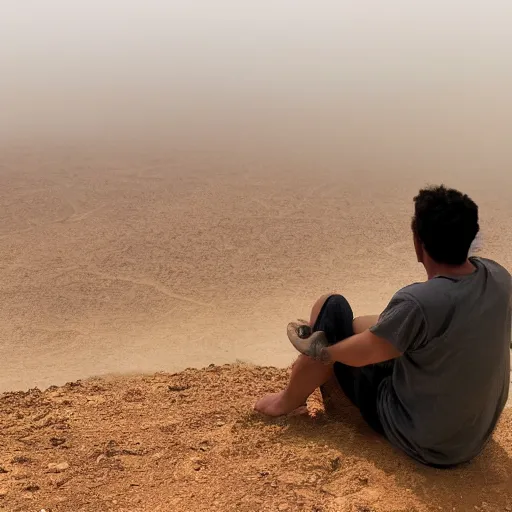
x: 325, y: 356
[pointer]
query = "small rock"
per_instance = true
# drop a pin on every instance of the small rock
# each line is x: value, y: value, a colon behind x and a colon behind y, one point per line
x: 20, y: 459
x: 62, y: 481
x: 114, y: 502
x: 335, y: 464
x: 32, y: 488
x: 283, y: 507
x: 58, y: 467
x: 2, y: 470
x: 111, y: 448
x: 3, y: 493
x: 178, y: 388
x: 57, y: 441
x: 220, y: 423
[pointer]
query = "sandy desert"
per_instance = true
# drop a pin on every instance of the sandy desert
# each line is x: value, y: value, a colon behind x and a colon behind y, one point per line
x: 128, y: 261
x: 125, y: 261
x: 178, y: 181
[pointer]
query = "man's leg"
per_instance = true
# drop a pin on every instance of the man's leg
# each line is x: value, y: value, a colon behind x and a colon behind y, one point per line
x: 363, y: 323
x: 334, y: 398
x: 308, y: 374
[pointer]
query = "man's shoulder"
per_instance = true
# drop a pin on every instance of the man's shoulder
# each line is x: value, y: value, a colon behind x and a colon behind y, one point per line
x: 439, y: 293
x: 432, y: 297
x: 493, y: 267
x: 419, y: 292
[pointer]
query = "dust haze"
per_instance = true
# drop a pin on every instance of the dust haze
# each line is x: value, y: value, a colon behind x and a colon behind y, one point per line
x: 406, y: 80
x: 180, y: 179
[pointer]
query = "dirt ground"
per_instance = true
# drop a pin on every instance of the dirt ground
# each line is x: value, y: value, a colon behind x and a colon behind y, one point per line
x: 190, y: 441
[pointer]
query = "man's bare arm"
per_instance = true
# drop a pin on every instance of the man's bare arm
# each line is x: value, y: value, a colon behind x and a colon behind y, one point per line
x: 359, y: 350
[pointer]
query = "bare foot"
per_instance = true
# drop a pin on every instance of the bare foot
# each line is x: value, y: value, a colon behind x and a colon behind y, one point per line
x: 270, y: 405
x: 275, y: 405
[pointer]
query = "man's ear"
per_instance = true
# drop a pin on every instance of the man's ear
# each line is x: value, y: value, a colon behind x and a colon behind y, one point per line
x: 418, y: 247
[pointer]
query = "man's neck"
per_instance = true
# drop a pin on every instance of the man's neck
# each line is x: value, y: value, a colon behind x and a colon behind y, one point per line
x: 439, y: 269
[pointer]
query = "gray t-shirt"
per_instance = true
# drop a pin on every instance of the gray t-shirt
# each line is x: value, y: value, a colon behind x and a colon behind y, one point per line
x: 451, y: 384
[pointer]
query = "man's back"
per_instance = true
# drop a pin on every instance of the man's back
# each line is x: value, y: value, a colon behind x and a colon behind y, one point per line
x: 451, y: 384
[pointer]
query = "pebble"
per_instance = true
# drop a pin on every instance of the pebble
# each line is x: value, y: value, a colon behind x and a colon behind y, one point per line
x: 58, y: 467
x: 57, y: 441
x: 20, y: 459
x: 3, y: 493
x: 283, y: 507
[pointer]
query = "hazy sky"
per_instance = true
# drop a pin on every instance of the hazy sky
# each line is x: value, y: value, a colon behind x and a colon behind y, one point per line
x: 436, y: 68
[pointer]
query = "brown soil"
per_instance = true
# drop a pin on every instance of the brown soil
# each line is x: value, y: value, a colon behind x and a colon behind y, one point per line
x: 190, y: 441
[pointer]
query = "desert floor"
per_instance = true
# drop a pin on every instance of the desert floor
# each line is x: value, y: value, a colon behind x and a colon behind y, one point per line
x: 116, y: 263
x: 115, y: 260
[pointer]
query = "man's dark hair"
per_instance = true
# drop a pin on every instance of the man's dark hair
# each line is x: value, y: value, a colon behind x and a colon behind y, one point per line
x: 446, y: 223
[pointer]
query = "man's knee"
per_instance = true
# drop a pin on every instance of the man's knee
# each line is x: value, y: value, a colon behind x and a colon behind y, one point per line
x: 317, y: 307
x: 337, y: 298
x: 363, y: 323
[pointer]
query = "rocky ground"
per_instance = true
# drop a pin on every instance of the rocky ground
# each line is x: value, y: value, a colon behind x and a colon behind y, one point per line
x: 190, y: 441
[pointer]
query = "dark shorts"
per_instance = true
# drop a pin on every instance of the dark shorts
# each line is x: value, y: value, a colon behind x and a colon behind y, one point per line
x: 361, y: 385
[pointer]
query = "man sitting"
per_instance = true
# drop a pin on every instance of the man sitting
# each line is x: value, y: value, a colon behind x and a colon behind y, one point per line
x: 432, y: 372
